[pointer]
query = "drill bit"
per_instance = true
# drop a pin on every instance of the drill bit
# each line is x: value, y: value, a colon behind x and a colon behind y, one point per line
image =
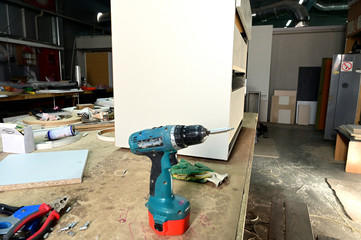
x: 220, y: 130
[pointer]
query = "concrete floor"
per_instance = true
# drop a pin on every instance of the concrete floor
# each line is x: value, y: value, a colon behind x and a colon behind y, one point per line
x: 294, y: 163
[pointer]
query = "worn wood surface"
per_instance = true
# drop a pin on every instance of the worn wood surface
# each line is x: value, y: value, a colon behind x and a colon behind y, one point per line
x: 21, y: 97
x: 298, y: 225
x: 97, y: 68
x: 276, y: 229
x: 289, y: 220
x: 326, y: 238
x: 66, y: 121
x: 115, y: 189
x: 353, y: 163
x: 82, y: 127
x: 341, y: 148
x: 35, y: 96
x: 238, y: 23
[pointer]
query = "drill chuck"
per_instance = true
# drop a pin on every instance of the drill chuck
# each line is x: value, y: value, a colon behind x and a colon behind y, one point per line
x: 185, y: 136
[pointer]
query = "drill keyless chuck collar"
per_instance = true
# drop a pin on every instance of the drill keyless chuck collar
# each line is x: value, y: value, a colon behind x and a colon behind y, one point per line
x: 183, y: 136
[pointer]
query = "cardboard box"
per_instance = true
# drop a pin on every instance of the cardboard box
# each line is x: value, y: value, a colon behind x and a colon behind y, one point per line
x: 354, y: 19
x: 15, y: 141
x: 350, y: 41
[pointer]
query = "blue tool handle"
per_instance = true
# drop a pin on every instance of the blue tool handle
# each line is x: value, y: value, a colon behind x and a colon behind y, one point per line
x: 43, y: 209
x: 6, y: 223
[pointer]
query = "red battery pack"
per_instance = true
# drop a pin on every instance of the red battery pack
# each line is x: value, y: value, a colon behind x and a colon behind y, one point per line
x: 170, y: 227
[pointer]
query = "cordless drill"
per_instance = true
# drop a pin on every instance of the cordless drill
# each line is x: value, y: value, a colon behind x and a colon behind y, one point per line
x: 168, y: 213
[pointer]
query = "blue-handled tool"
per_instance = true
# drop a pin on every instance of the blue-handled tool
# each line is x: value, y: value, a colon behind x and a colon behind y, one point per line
x: 27, y: 219
x: 15, y: 215
x: 168, y: 213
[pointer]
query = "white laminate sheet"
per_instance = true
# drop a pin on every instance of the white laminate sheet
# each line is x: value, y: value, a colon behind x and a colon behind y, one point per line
x: 42, y: 169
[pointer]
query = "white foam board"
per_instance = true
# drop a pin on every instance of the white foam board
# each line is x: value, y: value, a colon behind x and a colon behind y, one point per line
x: 42, y: 169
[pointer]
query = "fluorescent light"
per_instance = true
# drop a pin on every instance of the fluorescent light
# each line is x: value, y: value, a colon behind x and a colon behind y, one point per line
x: 98, y: 15
x: 254, y: 14
x: 288, y: 22
x: 300, y: 2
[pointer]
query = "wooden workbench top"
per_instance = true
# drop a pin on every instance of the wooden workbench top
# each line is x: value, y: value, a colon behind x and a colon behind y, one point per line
x: 114, y: 202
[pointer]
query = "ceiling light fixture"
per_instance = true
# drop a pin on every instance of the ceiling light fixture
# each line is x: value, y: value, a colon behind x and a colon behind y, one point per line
x: 300, y: 2
x: 98, y: 16
x: 288, y: 22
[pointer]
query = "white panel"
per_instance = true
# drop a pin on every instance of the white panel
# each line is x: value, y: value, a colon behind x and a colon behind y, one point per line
x: 284, y: 116
x: 263, y: 111
x: 237, y: 110
x: 313, y: 110
x: 259, y: 63
x: 42, y: 167
x: 239, y: 52
x: 283, y: 100
x: 172, y: 64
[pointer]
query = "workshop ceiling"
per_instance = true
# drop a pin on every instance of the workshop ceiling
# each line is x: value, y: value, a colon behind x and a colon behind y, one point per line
x: 325, y: 17
x: 321, y: 12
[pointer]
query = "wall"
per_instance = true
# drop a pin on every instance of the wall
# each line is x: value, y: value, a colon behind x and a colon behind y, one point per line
x: 259, y: 64
x: 301, y: 47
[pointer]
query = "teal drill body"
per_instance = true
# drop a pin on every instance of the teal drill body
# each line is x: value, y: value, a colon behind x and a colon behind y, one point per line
x: 168, y: 213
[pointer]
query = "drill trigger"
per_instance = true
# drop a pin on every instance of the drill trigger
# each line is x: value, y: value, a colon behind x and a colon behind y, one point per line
x: 173, y: 159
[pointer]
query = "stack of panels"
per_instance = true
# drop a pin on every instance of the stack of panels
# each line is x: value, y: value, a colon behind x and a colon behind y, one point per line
x: 283, y: 107
x: 354, y: 131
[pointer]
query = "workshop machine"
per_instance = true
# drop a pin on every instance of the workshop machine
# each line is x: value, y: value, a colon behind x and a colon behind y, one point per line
x: 168, y: 213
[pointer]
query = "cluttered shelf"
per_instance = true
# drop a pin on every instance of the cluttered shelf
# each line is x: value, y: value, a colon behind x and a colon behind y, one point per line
x: 113, y: 187
x: 50, y: 94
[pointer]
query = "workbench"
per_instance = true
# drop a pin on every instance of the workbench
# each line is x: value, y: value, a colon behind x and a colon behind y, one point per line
x: 59, y: 93
x: 14, y: 105
x: 348, y: 150
x: 115, y: 189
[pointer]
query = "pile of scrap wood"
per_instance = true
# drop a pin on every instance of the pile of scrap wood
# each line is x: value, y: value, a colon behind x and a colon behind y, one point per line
x: 354, y: 131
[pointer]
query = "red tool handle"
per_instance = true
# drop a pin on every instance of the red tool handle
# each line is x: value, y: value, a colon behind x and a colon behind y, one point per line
x: 43, y: 210
x: 52, y: 218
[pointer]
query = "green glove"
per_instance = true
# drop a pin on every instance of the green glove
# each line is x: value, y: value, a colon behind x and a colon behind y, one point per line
x: 188, y: 172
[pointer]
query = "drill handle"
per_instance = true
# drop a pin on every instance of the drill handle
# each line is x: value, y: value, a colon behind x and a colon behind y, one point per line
x: 161, y: 163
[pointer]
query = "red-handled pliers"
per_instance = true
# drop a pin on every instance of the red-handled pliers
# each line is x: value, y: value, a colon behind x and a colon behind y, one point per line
x: 53, y: 209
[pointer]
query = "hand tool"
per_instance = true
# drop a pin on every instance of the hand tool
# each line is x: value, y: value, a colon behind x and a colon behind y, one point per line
x: 7, y: 222
x: 168, y: 213
x: 26, y: 215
